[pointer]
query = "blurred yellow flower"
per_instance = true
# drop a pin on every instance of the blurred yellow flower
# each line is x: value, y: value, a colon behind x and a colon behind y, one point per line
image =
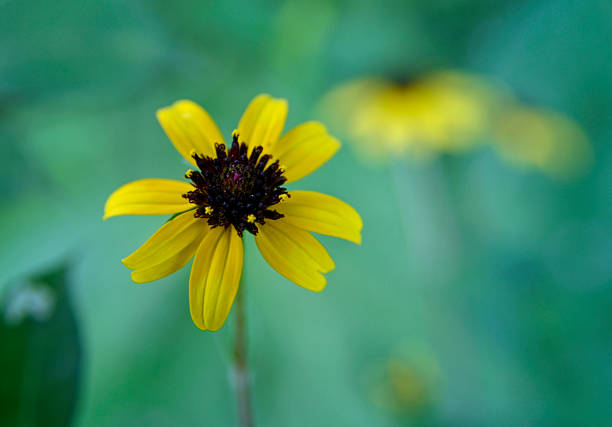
x: 233, y: 190
x: 542, y: 139
x: 407, y: 381
x: 442, y: 112
x: 451, y: 112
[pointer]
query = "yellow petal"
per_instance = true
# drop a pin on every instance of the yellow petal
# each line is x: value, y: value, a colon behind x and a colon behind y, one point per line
x: 321, y: 213
x: 190, y: 127
x: 167, y: 267
x: 148, y: 197
x: 168, y: 243
x: 263, y: 121
x: 304, y: 149
x: 294, y: 253
x: 215, y: 277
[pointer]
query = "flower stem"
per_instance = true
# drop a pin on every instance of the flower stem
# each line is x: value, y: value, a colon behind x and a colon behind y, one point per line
x: 241, y: 372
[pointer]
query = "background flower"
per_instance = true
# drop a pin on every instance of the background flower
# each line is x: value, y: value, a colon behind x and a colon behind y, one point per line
x: 440, y: 112
x: 542, y: 139
x: 448, y: 112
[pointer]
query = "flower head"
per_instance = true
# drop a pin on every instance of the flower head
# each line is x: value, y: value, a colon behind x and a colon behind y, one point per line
x: 236, y: 189
x: 406, y: 381
x: 449, y: 112
x: 442, y: 112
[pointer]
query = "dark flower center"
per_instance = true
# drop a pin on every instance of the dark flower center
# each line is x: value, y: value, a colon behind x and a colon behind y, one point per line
x: 236, y: 189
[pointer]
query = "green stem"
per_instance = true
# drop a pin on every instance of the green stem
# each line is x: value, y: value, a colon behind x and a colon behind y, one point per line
x: 241, y: 372
x: 428, y: 220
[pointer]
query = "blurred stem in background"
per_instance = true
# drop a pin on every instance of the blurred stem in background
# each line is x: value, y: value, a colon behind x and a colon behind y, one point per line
x: 241, y: 371
x: 428, y: 223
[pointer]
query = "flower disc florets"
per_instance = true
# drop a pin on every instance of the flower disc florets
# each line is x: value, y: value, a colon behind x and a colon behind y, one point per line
x: 235, y: 188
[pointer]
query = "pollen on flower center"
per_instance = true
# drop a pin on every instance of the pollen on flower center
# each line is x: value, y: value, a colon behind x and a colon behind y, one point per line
x: 235, y: 188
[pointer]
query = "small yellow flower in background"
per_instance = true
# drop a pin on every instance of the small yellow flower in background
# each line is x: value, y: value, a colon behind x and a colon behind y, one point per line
x: 542, y: 139
x: 407, y: 381
x: 236, y: 189
x: 442, y: 112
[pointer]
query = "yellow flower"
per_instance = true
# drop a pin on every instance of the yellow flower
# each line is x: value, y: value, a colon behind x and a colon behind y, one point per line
x: 542, y: 139
x: 440, y: 112
x: 406, y: 381
x: 233, y: 190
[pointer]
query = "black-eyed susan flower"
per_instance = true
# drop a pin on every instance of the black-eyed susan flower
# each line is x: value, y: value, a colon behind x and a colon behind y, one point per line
x: 441, y: 112
x: 234, y: 190
x: 452, y: 112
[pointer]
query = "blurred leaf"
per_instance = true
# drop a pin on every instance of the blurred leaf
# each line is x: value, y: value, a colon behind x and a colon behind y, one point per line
x: 41, y: 353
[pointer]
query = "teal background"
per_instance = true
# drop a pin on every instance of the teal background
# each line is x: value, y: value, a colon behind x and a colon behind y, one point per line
x: 490, y: 283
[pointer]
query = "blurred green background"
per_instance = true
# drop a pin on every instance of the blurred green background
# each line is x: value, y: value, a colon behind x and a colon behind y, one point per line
x: 481, y: 294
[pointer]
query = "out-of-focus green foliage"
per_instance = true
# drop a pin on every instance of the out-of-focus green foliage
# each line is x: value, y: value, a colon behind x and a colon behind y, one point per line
x: 41, y: 354
x: 501, y: 274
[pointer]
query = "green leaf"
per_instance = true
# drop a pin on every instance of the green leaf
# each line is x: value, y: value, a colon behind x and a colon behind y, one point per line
x: 41, y: 353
